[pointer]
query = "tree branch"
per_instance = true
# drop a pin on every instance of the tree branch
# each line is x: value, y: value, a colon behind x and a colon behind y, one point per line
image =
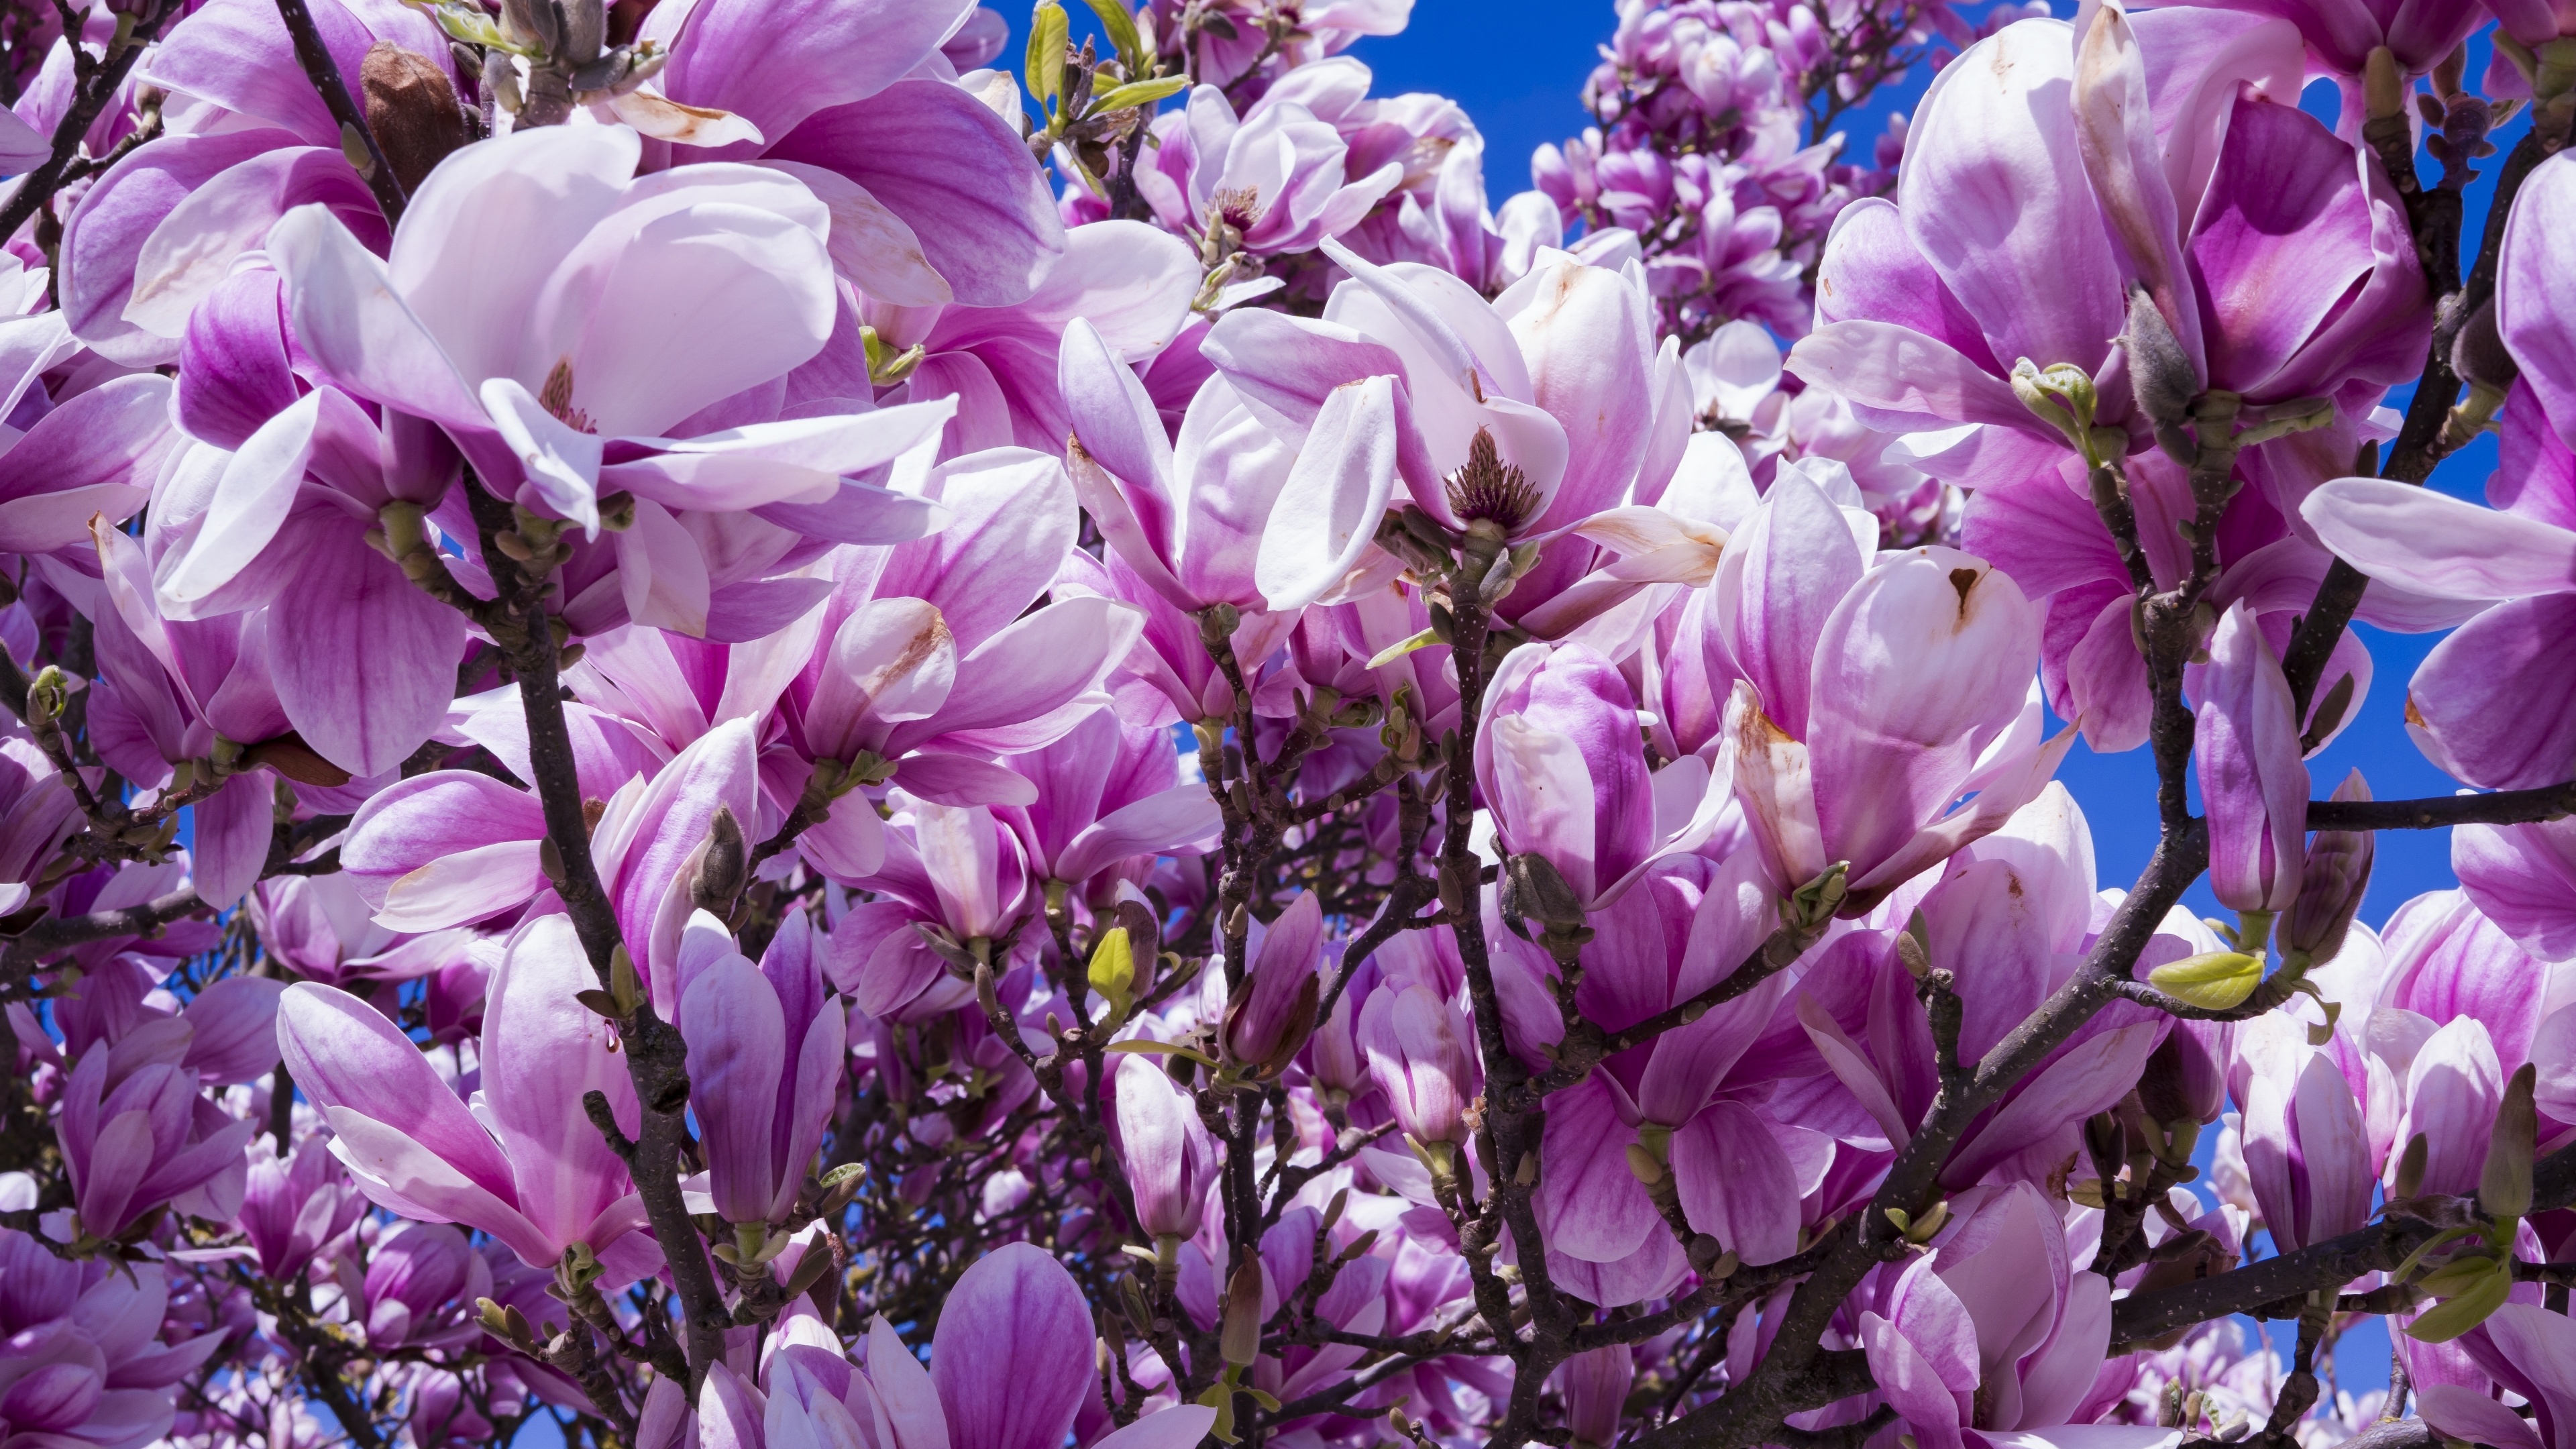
x: 2330, y: 1264
x: 656, y: 1058
x: 2420, y: 444
x: 2501, y: 807
x: 39, y: 185
x: 324, y: 72
x: 56, y: 933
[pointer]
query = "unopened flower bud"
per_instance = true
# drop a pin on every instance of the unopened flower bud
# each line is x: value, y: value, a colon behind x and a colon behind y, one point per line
x: 2504, y: 1187
x: 2478, y: 354
x: 1113, y: 972
x: 723, y: 867
x: 2160, y: 375
x: 2383, y: 86
x: 1273, y: 1010
x: 411, y: 107
x: 2330, y: 891
x: 2212, y: 980
x: 2186, y: 1078
x: 1239, y: 1338
x: 1535, y: 891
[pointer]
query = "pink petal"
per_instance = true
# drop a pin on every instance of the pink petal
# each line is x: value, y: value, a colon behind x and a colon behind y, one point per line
x: 1014, y: 1307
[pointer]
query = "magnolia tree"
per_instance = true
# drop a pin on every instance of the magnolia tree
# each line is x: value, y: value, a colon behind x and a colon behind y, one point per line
x: 733, y: 731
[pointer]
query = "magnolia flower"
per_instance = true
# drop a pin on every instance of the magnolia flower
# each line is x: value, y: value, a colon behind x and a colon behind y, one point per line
x: 1927, y: 305
x: 1873, y: 700
x: 1108, y: 793
x: 83, y: 1355
x: 1010, y: 1367
x: 159, y: 232
x: 294, y: 1209
x: 453, y: 847
x: 517, y: 1164
x: 1992, y: 1335
x: 1276, y: 175
x: 2308, y: 1153
x: 933, y: 197
x: 501, y: 313
x: 1422, y: 1056
x: 1679, y: 1104
x: 1268, y: 1016
x: 1560, y: 761
x: 135, y: 1133
x: 1523, y: 414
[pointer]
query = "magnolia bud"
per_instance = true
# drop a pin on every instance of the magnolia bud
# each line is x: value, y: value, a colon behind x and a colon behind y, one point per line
x: 1239, y: 1336
x: 723, y: 869
x: 2212, y: 980
x: 2383, y: 85
x: 1534, y: 890
x: 1113, y: 971
x: 2186, y: 1078
x: 2478, y: 354
x: 2330, y: 892
x: 2504, y: 1187
x: 411, y: 108
x: 2159, y: 374
x: 1272, y: 1010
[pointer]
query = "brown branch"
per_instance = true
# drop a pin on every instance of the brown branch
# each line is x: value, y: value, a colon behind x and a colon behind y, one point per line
x: 89, y: 98
x: 656, y: 1057
x: 324, y: 72
x: 59, y: 932
x: 2501, y: 807
x: 2289, y: 1277
x: 2422, y: 442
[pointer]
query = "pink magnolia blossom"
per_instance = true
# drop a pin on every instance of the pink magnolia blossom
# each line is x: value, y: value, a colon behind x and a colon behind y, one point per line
x: 539, y: 1178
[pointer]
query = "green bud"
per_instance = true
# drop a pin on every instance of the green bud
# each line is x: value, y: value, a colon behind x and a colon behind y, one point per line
x: 2061, y: 396
x: 2212, y: 980
x: 1113, y: 972
x: 1813, y: 904
x: 2504, y: 1187
x: 2454, y: 1316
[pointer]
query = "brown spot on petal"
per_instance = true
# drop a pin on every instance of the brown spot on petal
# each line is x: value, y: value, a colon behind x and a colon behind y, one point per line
x: 1964, y: 580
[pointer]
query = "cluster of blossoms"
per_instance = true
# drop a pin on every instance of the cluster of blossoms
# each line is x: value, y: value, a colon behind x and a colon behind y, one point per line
x: 731, y: 731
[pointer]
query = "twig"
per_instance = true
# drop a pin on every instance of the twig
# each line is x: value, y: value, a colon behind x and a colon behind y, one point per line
x: 324, y: 72
x: 48, y: 936
x: 38, y: 188
x: 2502, y: 807
x: 2420, y: 443
x: 2330, y: 1264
